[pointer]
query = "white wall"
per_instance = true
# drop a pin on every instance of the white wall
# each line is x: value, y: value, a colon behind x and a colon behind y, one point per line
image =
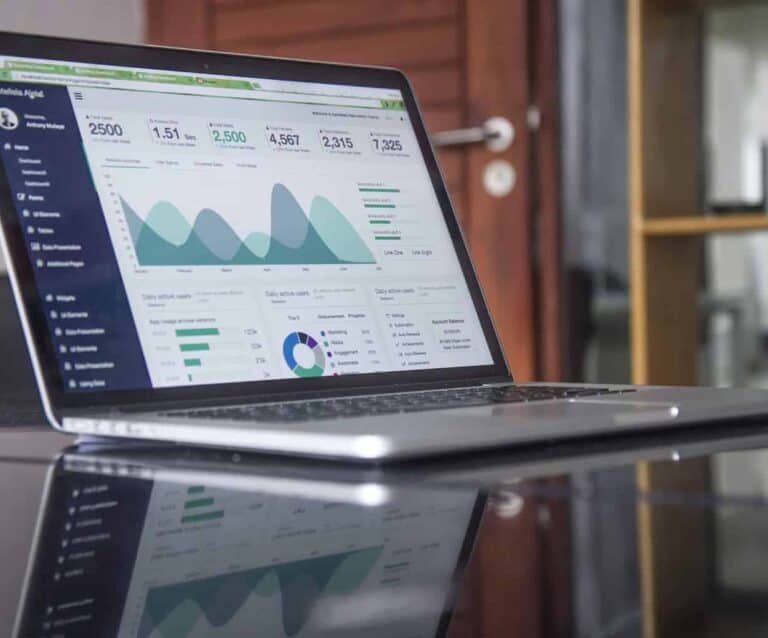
x: 120, y: 20
x: 737, y: 125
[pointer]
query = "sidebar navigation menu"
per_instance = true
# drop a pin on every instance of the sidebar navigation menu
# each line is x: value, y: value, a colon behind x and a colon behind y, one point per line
x: 77, y: 276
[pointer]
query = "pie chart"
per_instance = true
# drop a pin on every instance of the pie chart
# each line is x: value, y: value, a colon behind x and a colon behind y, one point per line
x: 303, y: 355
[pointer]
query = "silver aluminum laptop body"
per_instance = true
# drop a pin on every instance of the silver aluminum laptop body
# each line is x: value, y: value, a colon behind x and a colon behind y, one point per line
x: 434, y: 432
x: 188, y: 233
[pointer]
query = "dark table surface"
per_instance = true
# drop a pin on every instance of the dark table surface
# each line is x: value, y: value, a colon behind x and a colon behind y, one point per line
x: 636, y: 536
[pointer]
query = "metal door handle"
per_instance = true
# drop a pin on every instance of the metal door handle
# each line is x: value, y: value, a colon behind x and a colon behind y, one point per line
x: 497, y: 133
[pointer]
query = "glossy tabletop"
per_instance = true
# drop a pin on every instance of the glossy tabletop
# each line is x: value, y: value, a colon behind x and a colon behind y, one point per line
x: 637, y: 536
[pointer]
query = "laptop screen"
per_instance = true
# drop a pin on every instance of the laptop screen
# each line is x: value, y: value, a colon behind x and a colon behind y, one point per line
x: 188, y: 229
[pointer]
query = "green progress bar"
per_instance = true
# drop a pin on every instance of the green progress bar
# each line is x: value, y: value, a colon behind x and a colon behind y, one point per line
x: 194, y: 347
x: 379, y: 205
x: 208, y: 516
x: 192, y: 363
x: 195, y: 489
x: 379, y: 190
x: 386, y: 238
x: 198, y: 502
x: 197, y: 332
x: 380, y: 221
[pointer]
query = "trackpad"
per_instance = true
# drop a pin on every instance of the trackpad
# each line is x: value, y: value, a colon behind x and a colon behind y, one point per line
x: 621, y: 413
x: 584, y: 411
x: 632, y: 412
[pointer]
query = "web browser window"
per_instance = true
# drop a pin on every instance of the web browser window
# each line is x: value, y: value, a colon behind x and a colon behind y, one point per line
x: 190, y: 229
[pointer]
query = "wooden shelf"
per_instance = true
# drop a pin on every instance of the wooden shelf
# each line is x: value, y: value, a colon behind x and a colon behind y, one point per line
x: 703, y: 225
x: 665, y: 62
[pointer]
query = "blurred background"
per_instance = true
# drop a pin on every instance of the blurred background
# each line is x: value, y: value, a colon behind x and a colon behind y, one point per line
x: 619, y: 237
x: 552, y: 246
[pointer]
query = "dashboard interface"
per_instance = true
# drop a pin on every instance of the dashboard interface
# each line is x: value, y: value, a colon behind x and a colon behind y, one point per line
x: 189, y: 229
x: 238, y: 555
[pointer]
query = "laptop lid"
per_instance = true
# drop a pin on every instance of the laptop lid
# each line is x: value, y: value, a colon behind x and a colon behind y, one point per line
x: 186, y: 225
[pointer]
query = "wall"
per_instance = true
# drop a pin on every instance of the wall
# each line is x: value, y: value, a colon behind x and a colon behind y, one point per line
x: 111, y: 20
x: 121, y: 20
x: 736, y: 103
x: 594, y: 112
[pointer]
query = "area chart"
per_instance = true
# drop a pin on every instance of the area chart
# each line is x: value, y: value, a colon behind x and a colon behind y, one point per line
x: 165, y: 237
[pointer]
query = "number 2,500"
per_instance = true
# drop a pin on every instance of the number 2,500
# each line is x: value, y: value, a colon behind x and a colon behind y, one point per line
x: 102, y: 128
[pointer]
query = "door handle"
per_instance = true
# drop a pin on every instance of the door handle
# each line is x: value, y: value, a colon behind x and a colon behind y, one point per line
x: 497, y: 133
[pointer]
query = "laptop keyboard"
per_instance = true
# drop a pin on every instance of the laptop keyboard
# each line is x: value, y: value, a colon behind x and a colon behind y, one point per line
x: 291, y: 411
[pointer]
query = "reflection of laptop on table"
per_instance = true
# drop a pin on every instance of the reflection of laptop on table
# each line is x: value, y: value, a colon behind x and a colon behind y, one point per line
x: 189, y: 553
x: 261, y: 253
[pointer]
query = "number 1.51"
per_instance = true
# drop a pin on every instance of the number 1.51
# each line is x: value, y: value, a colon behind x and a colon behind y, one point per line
x: 166, y: 133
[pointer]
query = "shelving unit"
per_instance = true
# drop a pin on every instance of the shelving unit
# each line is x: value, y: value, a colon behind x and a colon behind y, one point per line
x: 703, y: 225
x: 665, y: 93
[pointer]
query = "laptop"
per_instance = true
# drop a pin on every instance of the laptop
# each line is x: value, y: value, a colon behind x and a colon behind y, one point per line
x: 261, y: 253
x: 191, y: 552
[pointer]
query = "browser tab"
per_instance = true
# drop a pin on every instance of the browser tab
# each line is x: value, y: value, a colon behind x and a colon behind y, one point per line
x: 100, y: 72
x: 164, y: 78
x: 38, y: 67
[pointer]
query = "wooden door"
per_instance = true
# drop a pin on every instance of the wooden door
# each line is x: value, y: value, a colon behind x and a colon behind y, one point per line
x: 468, y: 60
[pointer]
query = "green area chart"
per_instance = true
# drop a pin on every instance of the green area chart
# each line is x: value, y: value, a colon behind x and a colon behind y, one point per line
x: 173, y: 610
x: 165, y: 237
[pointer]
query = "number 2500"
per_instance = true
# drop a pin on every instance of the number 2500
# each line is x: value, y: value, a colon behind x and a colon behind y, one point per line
x: 102, y: 128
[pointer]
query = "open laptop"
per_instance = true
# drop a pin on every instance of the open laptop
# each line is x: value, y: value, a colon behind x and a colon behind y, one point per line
x: 261, y: 253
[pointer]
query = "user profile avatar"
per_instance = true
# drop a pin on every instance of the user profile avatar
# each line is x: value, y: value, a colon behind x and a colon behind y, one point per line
x: 8, y: 119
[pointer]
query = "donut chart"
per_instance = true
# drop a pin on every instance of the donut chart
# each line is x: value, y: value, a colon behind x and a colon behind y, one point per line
x: 302, y: 339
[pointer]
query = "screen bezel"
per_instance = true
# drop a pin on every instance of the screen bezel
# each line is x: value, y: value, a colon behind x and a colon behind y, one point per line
x: 185, y: 60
